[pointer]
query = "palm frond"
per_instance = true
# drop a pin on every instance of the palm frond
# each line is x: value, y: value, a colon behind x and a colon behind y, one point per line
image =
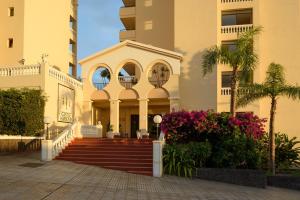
x: 292, y: 92
x: 250, y: 93
x: 275, y: 75
x: 210, y: 59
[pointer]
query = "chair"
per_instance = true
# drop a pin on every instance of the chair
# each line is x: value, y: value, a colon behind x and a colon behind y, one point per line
x: 141, y: 133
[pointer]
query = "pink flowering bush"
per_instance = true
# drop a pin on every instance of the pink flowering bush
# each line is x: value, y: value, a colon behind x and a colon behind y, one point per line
x: 234, y: 140
x: 183, y: 126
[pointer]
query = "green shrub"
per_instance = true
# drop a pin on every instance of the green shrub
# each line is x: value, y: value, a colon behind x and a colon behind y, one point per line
x: 21, y: 111
x: 236, y: 151
x: 184, y: 158
x: 287, y: 151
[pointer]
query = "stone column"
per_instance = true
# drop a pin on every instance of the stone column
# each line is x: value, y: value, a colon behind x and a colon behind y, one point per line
x: 174, y: 104
x: 46, y: 151
x: 143, y: 114
x: 158, y: 158
x: 114, y: 114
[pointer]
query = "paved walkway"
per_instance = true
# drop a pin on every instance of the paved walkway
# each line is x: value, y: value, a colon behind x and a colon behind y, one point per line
x: 60, y: 180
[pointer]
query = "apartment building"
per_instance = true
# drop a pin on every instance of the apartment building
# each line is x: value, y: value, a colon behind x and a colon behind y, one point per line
x: 191, y: 26
x: 35, y: 30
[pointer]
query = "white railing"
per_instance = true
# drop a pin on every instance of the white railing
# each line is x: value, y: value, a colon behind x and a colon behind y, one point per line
x: 236, y: 28
x: 64, y: 77
x: 227, y: 91
x: 128, y: 81
x: 20, y: 71
x: 63, y: 140
x: 234, y: 1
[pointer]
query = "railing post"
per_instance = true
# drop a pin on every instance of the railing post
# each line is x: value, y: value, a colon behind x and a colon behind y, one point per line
x: 158, y: 158
x: 47, y: 154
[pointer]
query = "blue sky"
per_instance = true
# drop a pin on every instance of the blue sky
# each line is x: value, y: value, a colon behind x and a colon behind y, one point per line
x: 98, y: 25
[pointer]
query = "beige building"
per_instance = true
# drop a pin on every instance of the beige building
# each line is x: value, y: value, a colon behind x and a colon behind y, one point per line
x: 32, y: 29
x: 191, y: 26
x: 38, y: 48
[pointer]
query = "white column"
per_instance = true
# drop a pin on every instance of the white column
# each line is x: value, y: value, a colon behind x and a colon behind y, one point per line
x: 114, y: 114
x: 47, y: 150
x: 143, y: 114
x: 158, y: 158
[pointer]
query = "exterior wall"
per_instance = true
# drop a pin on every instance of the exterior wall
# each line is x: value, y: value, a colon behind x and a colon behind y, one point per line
x: 158, y: 29
x: 38, y: 27
x: 11, y: 27
x: 192, y: 35
x: 279, y: 42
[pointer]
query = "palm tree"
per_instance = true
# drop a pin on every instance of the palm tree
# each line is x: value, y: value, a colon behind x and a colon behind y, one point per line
x: 273, y: 87
x: 241, y: 59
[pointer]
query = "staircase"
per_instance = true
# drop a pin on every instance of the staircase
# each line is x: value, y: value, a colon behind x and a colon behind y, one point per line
x: 130, y: 155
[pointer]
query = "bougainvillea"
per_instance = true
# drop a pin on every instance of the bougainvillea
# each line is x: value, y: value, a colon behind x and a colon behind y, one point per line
x: 183, y: 126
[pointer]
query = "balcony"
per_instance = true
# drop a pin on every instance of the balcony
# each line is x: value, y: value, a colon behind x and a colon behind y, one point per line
x: 235, y: 1
x: 129, y: 3
x: 127, y: 35
x: 227, y: 91
x: 127, y: 16
x: 236, y: 29
x: 128, y: 81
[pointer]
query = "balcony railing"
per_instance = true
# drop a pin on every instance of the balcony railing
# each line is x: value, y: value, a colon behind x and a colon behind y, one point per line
x: 227, y: 91
x: 236, y: 28
x: 21, y: 71
x: 234, y: 1
x: 128, y: 81
x: 100, y: 86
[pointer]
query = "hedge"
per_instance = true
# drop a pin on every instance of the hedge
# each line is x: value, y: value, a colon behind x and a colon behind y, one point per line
x: 21, y: 112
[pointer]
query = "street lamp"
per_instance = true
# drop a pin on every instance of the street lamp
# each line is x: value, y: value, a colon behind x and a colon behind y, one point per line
x: 47, y: 121
x: 157, y: 120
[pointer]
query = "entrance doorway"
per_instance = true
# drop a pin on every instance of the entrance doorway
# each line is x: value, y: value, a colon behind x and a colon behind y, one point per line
x: 134, y: 124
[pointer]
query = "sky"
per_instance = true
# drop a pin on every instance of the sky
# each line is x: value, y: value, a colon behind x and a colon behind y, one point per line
x: 98, y: 25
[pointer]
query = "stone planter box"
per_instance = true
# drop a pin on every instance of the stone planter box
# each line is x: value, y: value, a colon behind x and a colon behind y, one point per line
x: 253, y: 178
x: 284, y: 181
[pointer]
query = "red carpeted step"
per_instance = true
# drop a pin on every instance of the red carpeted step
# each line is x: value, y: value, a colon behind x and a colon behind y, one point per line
x: 131, y: 155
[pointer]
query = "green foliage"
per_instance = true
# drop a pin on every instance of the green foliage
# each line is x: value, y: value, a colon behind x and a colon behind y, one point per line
x: 236, y: 151
x: 183, y: 159
x: 287, y: 152
x: 21, y: 112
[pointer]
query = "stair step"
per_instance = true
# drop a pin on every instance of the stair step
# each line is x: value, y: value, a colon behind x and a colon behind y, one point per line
x: 130, y: 155
x: 115, y: 160
x: 101, y: 155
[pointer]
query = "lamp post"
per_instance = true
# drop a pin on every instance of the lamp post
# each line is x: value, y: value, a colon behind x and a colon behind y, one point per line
x: 157, y: 120
x: 47, y: 121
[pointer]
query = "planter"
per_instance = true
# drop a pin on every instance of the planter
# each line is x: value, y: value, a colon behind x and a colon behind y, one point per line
x: 245, y: 177
x: 284, y: 181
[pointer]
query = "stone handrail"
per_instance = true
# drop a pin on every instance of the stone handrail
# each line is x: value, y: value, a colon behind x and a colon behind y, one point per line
x: 236, y: 28
x: 51, y: 148
x: 63, y: 77
x: 63, y: 140
x: 234, y: 1
x: 20, y: 71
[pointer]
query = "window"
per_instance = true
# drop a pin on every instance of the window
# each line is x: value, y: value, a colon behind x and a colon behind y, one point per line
x: 230, y: 45
x: 227, y: 76
x: 72, y: 70
x: 72, y: 46
x: 72, y: 23
x: 10, y: 43
x: 11, y: 11
x: 238, y: 17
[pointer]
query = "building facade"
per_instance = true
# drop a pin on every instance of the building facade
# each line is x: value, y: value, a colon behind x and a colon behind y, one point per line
x: 192, y: 26
x: 34, y: 30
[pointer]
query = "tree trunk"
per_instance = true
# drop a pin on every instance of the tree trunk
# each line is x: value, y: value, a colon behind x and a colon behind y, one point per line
x: 233, y: 91
x: 272, y: 146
